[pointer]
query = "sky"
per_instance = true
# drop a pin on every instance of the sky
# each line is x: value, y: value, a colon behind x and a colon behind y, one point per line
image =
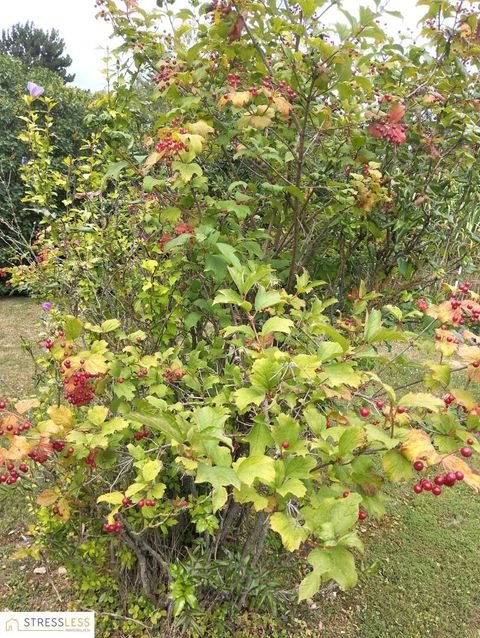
x: 87, y: 38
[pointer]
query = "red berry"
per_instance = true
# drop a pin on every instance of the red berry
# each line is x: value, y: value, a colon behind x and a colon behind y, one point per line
x: 459, y: 475
x: 400, y: 410
x: 437, y: 490
x: 362, y: 515
x: 418, y: 465
x: 450, y: 479
x: 417, y: 488
x: 345, y: 494
x: 427, y: 486
x: 141, y: 503
x: 364, y: 412
x: 470, y: 441
x: 3, y: 405
x: 285, y: 445
x: 439, y: 480
x: 23, y: 467
x: 126, y: 501
x: 466, y: 452
x: 379, y: 404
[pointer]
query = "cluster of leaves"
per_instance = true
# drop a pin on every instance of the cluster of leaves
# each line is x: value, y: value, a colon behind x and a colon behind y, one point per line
x: 18, y: 221
x: 200, y: 401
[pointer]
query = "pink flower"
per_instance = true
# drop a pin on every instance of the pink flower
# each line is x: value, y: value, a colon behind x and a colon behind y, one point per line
x: 35, y: 90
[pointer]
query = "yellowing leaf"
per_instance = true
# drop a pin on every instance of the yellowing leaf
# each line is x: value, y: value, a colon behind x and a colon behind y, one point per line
x: 47, y: 497
x: 291, y: 532
x: 240, y: 98
x: 26, y: 404
x: 114, y: 498
x: 454, y: 464
x: 422, y: 400
x: 200, y: 128
x: 61, y: 415
x: 418, y: 445
x: 282, y: 105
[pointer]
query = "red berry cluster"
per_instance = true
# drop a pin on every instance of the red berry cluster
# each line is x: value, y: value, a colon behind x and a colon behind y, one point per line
x: 146, y: 503
x: 166, y: 73
x: 138, y: 436
x: 90, y: 459
x: 435, y: 485
x: 394, y: 133
x: 113, y: 528
x: 233, y: 80
x: 169, y: 148
x: 141, y: 373
x: 174, y: 375
x: 12, y: 477
x: 78, y: 388
x: 38, y: 456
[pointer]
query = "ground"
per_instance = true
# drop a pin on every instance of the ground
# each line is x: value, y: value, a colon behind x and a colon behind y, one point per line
x: 421, y: 571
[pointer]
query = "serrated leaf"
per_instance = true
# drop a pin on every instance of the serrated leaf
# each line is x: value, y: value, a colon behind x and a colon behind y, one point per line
x: 61, y: 415
x: 277, y: 324
x: 151, y: 469
x: 246, y: 396
x: 290, y: 531
x: 113, y: 498
x: 110, y: 324
x: 418, y: 446
x: 72, y: 327
x: 216, y: 476
x: 266, y: 298
x: 396, y: 467
x: 422, y: 400
x: 293, y: 486
x: 258, y: 467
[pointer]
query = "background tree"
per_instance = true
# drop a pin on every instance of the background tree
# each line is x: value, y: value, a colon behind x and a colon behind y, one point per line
x: 36, y: 47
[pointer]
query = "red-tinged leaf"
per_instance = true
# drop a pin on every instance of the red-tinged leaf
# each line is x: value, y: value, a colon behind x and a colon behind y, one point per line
x: 454, y: 464
x: 237, y: 29
x: 396, y: 113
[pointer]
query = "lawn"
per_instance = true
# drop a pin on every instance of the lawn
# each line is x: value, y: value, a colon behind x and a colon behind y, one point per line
x: 421, y: 573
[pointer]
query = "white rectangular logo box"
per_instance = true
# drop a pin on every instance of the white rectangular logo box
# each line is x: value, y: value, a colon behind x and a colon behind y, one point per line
x: 47, y: 624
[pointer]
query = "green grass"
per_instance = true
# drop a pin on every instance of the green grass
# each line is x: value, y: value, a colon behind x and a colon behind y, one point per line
x: 427, y: 549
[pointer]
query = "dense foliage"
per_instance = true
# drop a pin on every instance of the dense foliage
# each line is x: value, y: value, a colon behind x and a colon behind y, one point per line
x: 17, y: 219
x: 200, y: 400
x: 37, y: 48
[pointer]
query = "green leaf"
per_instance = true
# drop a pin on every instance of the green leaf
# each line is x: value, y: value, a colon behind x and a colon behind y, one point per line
x: 246, y: 396
x: 97, y: 414
x: 259, y: 438
x: 115, y: 425
x: 227, y: 295
x: 373, y: 324
x: 422, y: 400
x: 113, y: 171
x: 217, y: 476
x: 151, y: 469
x: 186, y: 171
x: 219, y: 498
x: 338, y: 374
x: 110, y: 324
x: 293, y: 486
x: 291, y: 533
x: 258, y: 467
x: 72, y: 327
x: 396, y: 466
x: 351, y: 438
x: 277, y: 324
x: 333, y: 563
x: 266, y: 298
x: 229, y: 253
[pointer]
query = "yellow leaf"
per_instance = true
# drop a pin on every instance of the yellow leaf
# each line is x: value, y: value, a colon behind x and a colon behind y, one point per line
x: 454, y: 464
x: 240, y: 98
x: 283, y: 106
x: 95, y: 363
x: 26, y: 404
x: 47, y: 497
x: 61, y: 415
x: 259, y: 122
x: 200, y: 128
x: 151, y: 160
x: 19, y: 448
x: 418, y: 446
